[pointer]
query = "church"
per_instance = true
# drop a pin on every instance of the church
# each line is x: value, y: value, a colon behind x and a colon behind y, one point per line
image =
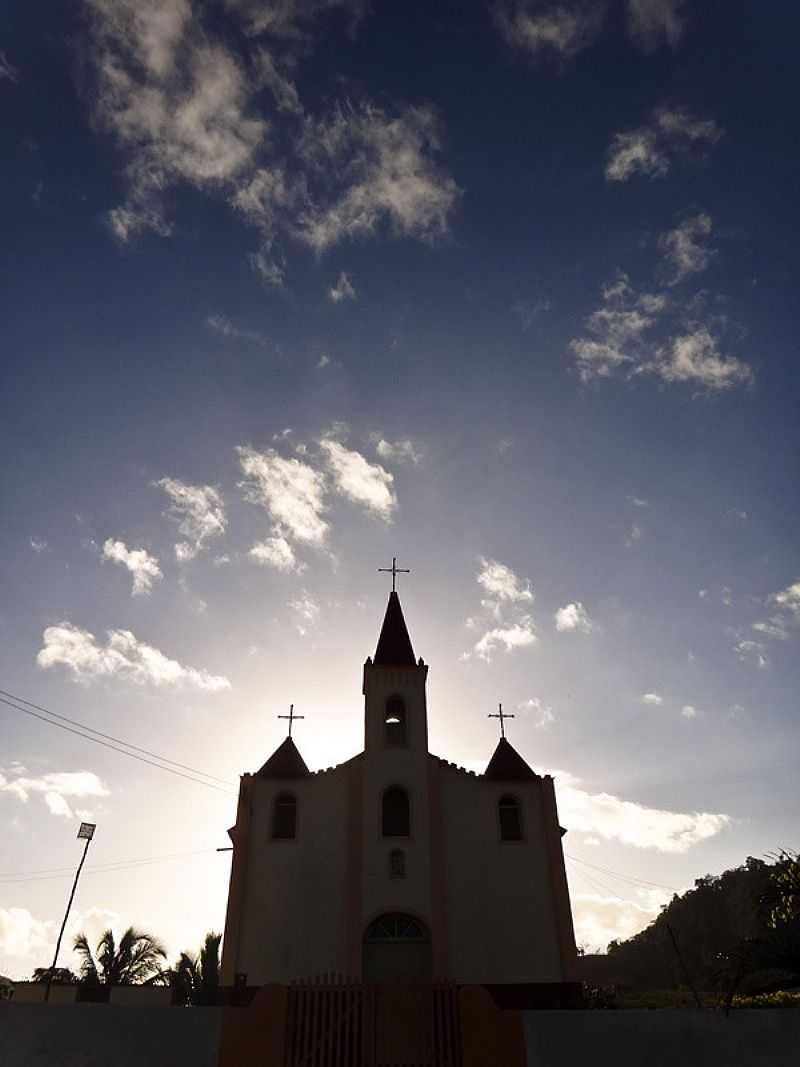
x: 398, y: 864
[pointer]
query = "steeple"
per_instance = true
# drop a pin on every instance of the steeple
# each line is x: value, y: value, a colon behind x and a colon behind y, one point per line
x: 394, y: 645
x: 506, y: 765
x: 285, y: 762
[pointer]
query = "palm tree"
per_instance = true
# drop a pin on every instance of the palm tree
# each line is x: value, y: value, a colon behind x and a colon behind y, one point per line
x: 136, y: 961
x: 196, y: 978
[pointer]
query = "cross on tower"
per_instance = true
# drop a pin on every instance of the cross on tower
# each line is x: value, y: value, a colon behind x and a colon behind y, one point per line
x: 291, y: 717
x: 502, y: 716
x: 394, y: 570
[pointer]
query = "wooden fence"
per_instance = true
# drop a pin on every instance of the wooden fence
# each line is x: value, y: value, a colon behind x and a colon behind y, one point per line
x: 333, y: 1021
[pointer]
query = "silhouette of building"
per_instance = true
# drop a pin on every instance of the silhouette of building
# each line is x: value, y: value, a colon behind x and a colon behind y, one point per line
x: 397, y: 863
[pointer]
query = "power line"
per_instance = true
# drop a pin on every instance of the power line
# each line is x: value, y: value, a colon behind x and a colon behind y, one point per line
x: 15, y: 877
x: 116, y: 748
x: 110, y: 737
x: 624, y: 877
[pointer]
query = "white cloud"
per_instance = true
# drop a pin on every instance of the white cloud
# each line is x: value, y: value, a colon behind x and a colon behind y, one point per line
x: 650, y: 149
x: 199, y: 511
x: 504, y: 616
x: 123, y: 657
x: 650, y: 20
x: 174, y: 98
x: 276, y: 552
x: 343, y: 290
x: 573, y: 618
x: 786, y: 613
x: 688, y: 711
x: 140, y: 563
x: 290, y: 490
x: 600, y: 919
x: 634, y: 535
x: 653, y: 699
x: 362, y: 482
x: 695, y: 357
x: 366, y: 168
x: 638, y: 502
x: 7, y: 71
x: 684, y: 247
x: 223, y: 326
x: 558, y: 28
x: 754, y: 653
x: 500, y: 582
x: 23, y: 938
x: 612, y: 818
x: 536, y: 709
x: 38, y: 546
x: 306, y: 611
x: 512, y: 636
x: 397, y: 451
x: 53, y: 787
x: 323, y: 362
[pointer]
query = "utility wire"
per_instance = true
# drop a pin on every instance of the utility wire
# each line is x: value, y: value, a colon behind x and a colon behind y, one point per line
x: 623, y: 877
x: 110, y: 737
x: 107, y: 744
x: 14, y: 877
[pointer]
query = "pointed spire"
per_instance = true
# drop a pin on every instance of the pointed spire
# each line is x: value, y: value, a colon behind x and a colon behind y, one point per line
x: 285, y: 762
x: 394, y: 645
x: 506, y: 765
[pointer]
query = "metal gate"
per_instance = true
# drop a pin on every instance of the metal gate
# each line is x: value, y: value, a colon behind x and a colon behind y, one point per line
x: 333, y: 1021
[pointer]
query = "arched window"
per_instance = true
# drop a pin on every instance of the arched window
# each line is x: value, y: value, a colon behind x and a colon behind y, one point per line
x: 397, y: 863
x: 396, y: 947
x: 395, y: 819
x: 284, y: 817
x: 510, y: 819
x: 395, y: 721
x: 395, y: 928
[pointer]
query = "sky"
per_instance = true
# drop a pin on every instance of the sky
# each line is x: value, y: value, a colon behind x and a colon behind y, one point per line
x: 504, y: 290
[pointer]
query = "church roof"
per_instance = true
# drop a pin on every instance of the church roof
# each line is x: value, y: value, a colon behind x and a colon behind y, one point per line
x: 285, y: 762
x: 506, y: 765
x: 394, y: 645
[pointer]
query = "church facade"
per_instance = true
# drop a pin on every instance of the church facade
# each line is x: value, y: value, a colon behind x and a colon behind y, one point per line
x: 396, y: 863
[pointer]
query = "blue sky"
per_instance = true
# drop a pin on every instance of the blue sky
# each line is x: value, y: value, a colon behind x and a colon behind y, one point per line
x: 289, y: 289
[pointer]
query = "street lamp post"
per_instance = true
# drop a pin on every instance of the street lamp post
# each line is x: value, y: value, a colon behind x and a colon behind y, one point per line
x: 85, y: 833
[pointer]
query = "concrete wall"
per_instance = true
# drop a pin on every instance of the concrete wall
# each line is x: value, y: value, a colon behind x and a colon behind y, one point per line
x: 501, y: 919
x: 101, y: 1035
x: 746, y: 1038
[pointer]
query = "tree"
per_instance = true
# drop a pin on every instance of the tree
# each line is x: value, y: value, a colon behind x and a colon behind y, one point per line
x: 135, y: 961
x: 196, y: 978
x: 785, y: 889
x: 61, y: 975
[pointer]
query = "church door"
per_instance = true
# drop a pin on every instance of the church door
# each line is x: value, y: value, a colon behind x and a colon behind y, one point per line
x: 396, y: 947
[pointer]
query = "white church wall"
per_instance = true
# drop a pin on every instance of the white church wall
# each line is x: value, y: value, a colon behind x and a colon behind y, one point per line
x: 501, y: 923
x: 293, y: 923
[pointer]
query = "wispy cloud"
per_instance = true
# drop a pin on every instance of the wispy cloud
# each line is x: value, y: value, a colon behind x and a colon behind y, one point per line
x: 689, y: 711
x: 365, y: 168
x: 343, y: 290
x: 537, y: 711
x: 140, y: 563
x: 528, y: 311
x: 306, y: 612
x: 614, y: 819
x: 785, y: 617
x: 223, y: 326
x: 199, y: 512
x: 695, y: 357
x: 573, y: 618
x: 753, y: 653
x: 504, y: 616
x: 397, y: 451
x: 652, y: 699
x: 685, y: 249
x: 38, y: 545
x: 54, y: 788
x: 123, y: 657
x: 651, y: 21
x: 290, y: 490
x: 276, y: 552
x: 651, y: 149
x: 365, y: 483
x: 7, y: 71
x: 554, y: 28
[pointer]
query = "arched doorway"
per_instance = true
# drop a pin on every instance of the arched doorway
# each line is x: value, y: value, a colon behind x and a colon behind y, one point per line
x: 396, y: 947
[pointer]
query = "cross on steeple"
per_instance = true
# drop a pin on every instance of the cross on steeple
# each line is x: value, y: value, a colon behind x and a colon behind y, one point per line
x: 291, y: 717
x: 502, y: 716
x: 394, y: 570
